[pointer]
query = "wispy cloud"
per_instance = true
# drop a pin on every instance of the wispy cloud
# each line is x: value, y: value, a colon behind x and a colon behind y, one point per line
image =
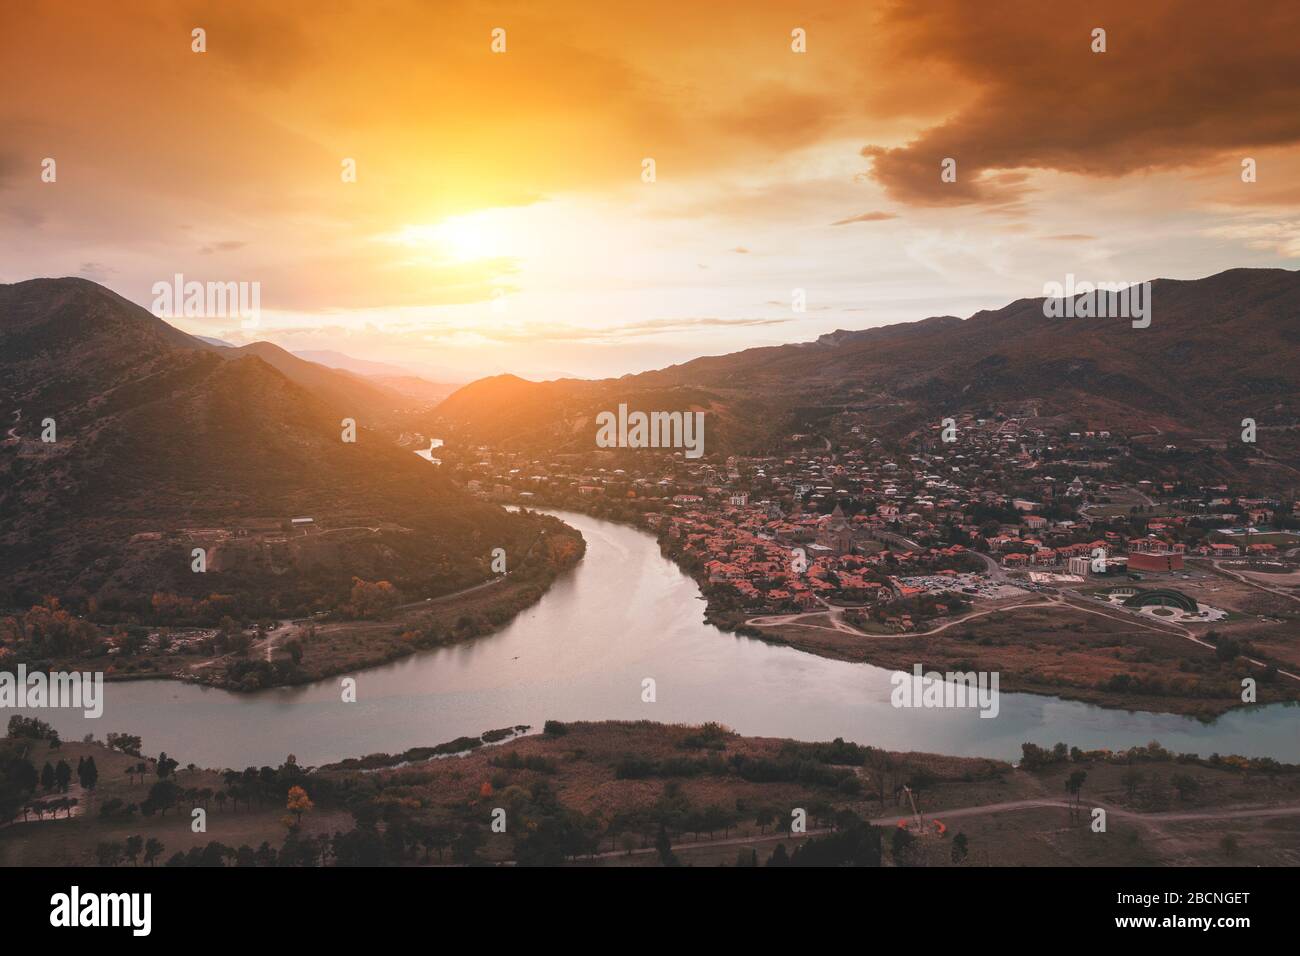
x: 227, y: 245
x: 1278, y: 236
x: 867, y: 217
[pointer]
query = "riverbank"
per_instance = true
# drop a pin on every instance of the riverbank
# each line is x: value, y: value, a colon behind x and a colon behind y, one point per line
x: 624, y: 614
x: 612, y: 793
x: 301, y: 651
x: 1037, y: 644
x: 329, y: 649
x: 1052, y: 649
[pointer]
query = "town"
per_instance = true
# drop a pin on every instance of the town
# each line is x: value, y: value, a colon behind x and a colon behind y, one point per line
x: 847, y: 536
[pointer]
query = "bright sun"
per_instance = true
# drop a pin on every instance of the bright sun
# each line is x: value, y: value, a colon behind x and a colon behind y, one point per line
x: 467, y: 238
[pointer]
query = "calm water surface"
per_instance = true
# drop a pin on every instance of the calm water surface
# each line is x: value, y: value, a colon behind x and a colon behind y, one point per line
x: 624, y: 614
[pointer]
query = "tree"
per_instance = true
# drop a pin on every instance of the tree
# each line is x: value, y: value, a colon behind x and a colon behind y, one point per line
x: 87, y: 773
x: 162, y: 796
x: 901, y: 846
x: 18, y: 781
x: 63, y: 775
x: 438, y: 836
x: 1131, y: 779
x: 126, y: 743
x: 57, y: 632
x: 779, y: 856
x: 1186, y: 785
x: 1227, y: 649
x: 664, y: 847
x: 921, y: 782
x: 371, y: 598
x: 713, y: 818
x: 134, y: 844
x: 1074, y: 787
x: 153, y: 849
x: 466, y: 846
x: 960, y: 850
x: 853, y: 843
x: 215, y: 854
x: 47, y: 777
x: 298, y: 803
x: 108, y: 854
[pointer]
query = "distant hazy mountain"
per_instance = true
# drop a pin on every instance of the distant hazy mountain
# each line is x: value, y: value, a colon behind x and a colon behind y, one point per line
x: 397, y: 378
x: 414, y: 387
x: 334, y: 359
x: 1218, y: 349
x: 348, y: 393
x: 157, y: 431
x: 380, y: 369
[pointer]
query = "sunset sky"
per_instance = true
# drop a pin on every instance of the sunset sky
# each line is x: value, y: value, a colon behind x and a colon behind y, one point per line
x: 499, y: 221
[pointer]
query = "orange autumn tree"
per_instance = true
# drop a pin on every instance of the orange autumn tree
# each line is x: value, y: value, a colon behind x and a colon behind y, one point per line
x: 561, y: 551
x: 371, y: 598
x: 298, y: 803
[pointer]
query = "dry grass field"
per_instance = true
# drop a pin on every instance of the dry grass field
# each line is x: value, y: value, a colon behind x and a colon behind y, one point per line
x: 1160, y: 811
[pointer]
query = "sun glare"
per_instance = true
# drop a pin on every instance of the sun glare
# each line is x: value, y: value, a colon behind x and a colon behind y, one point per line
x: 469, y: 237
x: 465, y: 238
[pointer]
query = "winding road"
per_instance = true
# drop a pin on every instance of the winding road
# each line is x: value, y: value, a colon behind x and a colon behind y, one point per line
x: 1255, y: 584
x: 1006, y: 806
x: 835, y: 616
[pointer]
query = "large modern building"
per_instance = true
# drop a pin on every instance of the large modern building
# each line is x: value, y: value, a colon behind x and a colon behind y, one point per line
x: 1154, y: 561
x: 1079, y: 565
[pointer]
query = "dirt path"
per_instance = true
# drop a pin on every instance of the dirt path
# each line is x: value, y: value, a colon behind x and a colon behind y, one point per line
x: 793, y: 619
x: 268, y: 644
x: 1167, y: 628
x: 477, y: 587
x: 1255, y: 584
x: 1007, y: 806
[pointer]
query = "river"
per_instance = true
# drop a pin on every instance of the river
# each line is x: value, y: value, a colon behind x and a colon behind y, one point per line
x: 625, y: 614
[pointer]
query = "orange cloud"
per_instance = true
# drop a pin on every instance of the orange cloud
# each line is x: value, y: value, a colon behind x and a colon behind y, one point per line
x: 1180, y: 85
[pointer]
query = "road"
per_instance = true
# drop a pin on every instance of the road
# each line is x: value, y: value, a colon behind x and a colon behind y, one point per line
x: 477, y: 587
x: 840, y: 625
x: 1085, y: 605
x: 996, y: 571
x: 1006, y: 806
x: 1255, y: 584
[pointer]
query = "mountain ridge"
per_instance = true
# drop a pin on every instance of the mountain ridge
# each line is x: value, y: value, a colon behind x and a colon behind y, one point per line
x: 156, y: 432
x: 1216, y: 351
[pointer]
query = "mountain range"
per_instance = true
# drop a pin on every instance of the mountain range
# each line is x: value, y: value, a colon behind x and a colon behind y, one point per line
x: 1218, y: 349
x: 161, y: 438
x: 157, y: 434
